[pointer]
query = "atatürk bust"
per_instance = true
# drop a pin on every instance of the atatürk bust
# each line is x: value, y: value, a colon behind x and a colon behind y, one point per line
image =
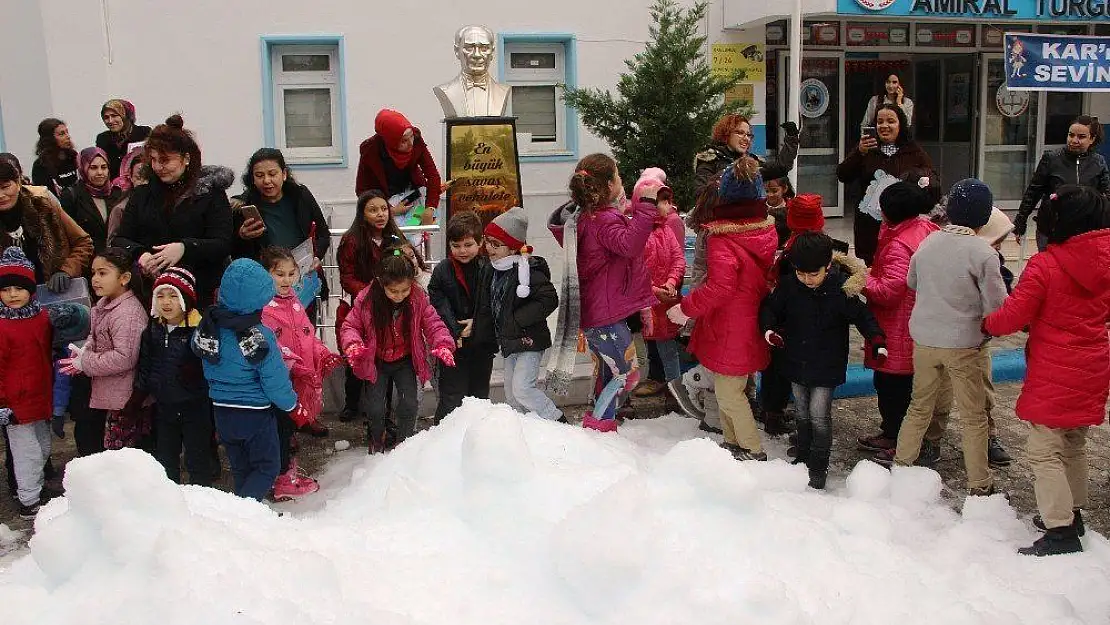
x: 473, y: 93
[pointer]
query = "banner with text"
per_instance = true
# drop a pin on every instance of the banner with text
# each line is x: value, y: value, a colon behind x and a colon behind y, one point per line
x: 1057, y: 63
x: 483, y: 166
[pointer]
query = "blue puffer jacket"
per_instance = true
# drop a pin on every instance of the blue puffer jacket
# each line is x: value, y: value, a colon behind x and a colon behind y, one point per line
x: 245, y: 288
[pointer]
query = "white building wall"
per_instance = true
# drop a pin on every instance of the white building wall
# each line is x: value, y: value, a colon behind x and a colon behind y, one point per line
x: 25, y: 80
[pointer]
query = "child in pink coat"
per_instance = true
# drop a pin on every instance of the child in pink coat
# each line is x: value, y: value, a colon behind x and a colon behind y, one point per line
x: 308, y: 359
x: 387, y: 339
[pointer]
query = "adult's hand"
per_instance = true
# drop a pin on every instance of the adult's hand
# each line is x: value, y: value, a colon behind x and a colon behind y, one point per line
x: 148, y: 264
x: 467, y: 327
x: 168, y: 255
x: 900, y: 95
x: 252, y: 229
x: 866, y: 144
x: 58, y: 282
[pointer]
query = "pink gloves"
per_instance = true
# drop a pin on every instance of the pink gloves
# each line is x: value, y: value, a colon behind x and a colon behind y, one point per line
x: 774, y: 339
x: 444, y: 355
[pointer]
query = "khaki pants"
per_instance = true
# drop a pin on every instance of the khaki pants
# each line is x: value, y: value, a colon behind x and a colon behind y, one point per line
x: 1059, y: 461
x: 946, y: 400
x: 966, y: 367
x: 737, y: 421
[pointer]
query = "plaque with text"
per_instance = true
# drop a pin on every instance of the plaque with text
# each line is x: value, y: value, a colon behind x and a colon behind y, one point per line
x: 483, y: 166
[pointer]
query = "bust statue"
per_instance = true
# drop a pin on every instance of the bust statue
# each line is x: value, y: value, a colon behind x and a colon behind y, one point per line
x: 473, y: 93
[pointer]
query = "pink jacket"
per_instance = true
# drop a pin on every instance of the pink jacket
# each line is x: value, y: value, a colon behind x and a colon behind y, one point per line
x: 112, y: 351
x: 303, y: 352
x: 612, y: 279
x: 889, y: 297
x: 666, y: 265
x: 427, y: 333
x: 739, y: 257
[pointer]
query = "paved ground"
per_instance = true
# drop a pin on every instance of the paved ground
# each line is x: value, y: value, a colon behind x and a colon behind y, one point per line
x: 854, y: 417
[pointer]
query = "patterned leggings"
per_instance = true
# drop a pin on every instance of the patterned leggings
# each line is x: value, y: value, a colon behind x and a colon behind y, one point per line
x: 612, y: 346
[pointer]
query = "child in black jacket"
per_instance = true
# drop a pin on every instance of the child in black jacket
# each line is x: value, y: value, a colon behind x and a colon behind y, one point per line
x: 170, y: 372
x: 807, y: 317
x: 459, y: 290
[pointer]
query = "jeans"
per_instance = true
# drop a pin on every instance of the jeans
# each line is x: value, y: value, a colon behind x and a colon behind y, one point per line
x: 521, y: 371
x: 468, y: 378
x: 669, y: 355
x: 814, y: 419
x: 612, y: 346
x: 188, y: 424
x: 249, y: 436
x: 402, y: 376
x: 30, y: 449
x: 893, y: 391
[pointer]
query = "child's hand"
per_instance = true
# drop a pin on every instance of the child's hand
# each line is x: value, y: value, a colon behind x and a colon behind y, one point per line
x: 774, y: 339
x: 299, y: 414
x: 355, y: 352
x: 675, y: 314
x: 444, y: 355
x: 331, y: 363
x: 878, y: 349
x: 69, y: 366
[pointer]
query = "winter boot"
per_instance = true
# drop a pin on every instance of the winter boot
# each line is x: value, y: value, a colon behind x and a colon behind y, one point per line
x: 877, y: 442
x: 27, y: 513
x: 1077, y: 522
x: 600, y: 425
x: 996, y: 454
x: 1056, y: 541
x: 58, y: 425
x: 817, y: 479
x: 678, y: 391
x: 742, y: 454
x: 774, y: 425
x: 649, y: 388
x: 347, y: 415
x: 705, y: 427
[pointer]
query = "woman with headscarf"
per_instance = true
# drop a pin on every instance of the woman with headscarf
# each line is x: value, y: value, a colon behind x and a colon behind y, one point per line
x: 132, y: 174
x: 90, y: 202
x: 119, y: 117
x: 397, y: 160
x: 55, y: 165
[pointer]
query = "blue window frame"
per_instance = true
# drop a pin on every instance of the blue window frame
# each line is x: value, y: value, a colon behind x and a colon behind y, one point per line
x: 535, y: 65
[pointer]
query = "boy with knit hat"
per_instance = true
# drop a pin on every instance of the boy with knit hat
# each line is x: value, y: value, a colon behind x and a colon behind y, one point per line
x: 521, y: 299
x: 956, y: 276
x: 172, y: 373
x: 26, y: 377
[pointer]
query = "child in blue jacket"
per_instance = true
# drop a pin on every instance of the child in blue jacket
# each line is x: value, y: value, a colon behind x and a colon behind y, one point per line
x: 247, y: 378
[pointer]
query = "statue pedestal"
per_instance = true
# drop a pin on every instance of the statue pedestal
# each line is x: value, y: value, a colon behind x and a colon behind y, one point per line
x: 482, y: 166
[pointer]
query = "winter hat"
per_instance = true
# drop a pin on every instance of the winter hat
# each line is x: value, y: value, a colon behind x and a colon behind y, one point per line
x: 511, y: 228
x: 391, y: 126
x: 652, y: 176
x: 804, y: 213
x: 998, y: 226
x: 903, y: 200
x: 969, y: 204
x: 16, y: 270
x: 70, y: 322
x: 183, y: 284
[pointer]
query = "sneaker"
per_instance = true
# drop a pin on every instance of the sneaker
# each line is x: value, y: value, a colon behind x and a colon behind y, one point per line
x: 996, y: 454
x: 876, y: 443
x: 817, y: 479
x: 705, y: 427
x: 981, y: 491
x: 731, y: 448
x: 27, y: 513
x: 884, y: 457
x: 929, y: 456
x: 678, y: 391
x: 1077, y: 521
x: 649, y: 388
x: 599, y: 425
x: 743, y: 454
x: 1056, y: 541
x: 314, y: 429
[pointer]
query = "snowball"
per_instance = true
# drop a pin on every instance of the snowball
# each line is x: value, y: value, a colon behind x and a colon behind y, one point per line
x: 868, y: 481
x: 342, y: 445
x: 913, y: 487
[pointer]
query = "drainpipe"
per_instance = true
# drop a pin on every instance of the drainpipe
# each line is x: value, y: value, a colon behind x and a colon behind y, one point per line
x: 794, y: 92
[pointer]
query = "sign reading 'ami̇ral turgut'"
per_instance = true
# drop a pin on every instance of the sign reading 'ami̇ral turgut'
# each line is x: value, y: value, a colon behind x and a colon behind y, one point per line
x: 1018, y: 10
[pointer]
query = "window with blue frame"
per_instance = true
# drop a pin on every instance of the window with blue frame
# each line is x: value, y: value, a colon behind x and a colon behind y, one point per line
x: 536, y: 66
x: 305, y: 117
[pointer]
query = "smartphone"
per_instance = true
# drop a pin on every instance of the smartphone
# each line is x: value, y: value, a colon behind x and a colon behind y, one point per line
x: 250, y: 211
x: 411, y: 197
x: 871, y: 131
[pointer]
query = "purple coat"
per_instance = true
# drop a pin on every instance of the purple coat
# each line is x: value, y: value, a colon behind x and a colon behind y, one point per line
x: 613, y: 280
x: 112, y: 350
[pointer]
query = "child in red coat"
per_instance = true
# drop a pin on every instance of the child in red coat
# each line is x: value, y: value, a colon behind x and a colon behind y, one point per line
x: 26, y: 377
x: 387, y: 338
x: 1063, y: 298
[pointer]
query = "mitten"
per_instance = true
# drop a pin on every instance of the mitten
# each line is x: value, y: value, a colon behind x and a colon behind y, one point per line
x: 355, y: 352
x: 444, y: 355
x: 299, y: 414
x: 58, y: 282
x: 330, y: 363
x: 791, y: 129
x: 6, y: 416
x: 675, y: 314
x: 774, y: 339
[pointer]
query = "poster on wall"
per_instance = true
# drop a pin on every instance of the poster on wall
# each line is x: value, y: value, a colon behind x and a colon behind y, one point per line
x: 743, y: 94
x: 1056, y: 62
x: 728, y: 58
x: 483, y: 166
x: 959, y: 97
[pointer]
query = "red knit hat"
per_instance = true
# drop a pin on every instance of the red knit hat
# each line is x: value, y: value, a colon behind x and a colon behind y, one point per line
x: 16, y: 270
x: 183, y: 284
x: 391, y: 126
x: 804, y: 213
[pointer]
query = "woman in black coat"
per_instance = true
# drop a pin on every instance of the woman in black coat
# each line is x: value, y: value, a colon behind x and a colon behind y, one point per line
x: 55, y: 165
x: 182, y: 216
x: 90, y: 203
x: 289, y: 210
x: 119, y: 118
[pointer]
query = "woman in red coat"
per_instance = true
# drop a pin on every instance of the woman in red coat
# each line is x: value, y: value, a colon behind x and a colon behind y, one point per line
x: 1064, y: 297
x: 396, y: 160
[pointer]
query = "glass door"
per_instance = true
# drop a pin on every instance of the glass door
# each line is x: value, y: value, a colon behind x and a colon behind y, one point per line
x: 1007, y: 135
x: 822, y: 124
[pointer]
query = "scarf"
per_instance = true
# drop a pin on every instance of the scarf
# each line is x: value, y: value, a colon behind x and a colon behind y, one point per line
x: 84, y: 161
x: 252, y: 343
x: 391, y: 126
x: 30, y: 310
x: 123, y: 180
x: 954, y: 229
x: 888, y: 149
x: 564, y: 353
x: 523, y: 271
x: 125, y: 110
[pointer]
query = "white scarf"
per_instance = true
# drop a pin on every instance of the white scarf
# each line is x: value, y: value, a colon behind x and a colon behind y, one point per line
x: 523, y: 271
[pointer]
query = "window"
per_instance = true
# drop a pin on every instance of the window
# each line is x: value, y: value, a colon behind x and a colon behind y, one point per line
x: 304, y: 116
x: 536, y: 66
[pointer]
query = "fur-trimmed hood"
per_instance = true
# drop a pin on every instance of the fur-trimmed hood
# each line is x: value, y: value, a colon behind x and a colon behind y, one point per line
x: 731, y: 226
x: 855, y: 272
x: 214, y: 177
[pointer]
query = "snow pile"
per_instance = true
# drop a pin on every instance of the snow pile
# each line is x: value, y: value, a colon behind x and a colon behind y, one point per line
x: 495, y: 518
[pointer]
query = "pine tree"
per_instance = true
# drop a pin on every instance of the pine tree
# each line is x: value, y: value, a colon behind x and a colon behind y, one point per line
x: 667, y: 102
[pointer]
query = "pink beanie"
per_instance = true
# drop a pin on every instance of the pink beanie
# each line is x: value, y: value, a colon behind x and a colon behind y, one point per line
x: 652, y: 176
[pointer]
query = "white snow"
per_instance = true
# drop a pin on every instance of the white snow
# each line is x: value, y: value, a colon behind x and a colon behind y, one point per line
x: 498, y: 518
x: 342, y: 445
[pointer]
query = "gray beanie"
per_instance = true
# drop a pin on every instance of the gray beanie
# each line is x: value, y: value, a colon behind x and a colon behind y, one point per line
x: 511, y: 228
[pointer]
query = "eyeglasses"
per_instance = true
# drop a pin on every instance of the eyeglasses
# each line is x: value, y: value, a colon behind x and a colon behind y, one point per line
x: 744, y: 134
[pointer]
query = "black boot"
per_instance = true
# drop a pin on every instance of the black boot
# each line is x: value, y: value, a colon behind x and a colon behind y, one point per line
x: 1056, y: 541
x: 1076, y: 521
x: 817, y: 479
x: 773, y: 424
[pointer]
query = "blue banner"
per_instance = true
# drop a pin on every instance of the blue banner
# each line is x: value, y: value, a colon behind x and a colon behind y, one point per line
x: 993, y: 10
x: 1057, y: 63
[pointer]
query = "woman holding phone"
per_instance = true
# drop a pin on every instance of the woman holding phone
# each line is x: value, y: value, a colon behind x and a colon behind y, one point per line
x: 893, y: 92
x: 891, y: 149
x: 275, y: 209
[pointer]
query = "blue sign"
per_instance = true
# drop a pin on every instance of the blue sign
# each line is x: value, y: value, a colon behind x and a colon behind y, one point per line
x: 1057, y: 63
x: 1017, y: 10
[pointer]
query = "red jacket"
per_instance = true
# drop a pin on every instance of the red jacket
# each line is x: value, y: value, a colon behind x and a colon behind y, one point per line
x: 26, y: 369
x: 1064, y: 297
x: 889, y: 297
x: 666, y: 264
x: 422, y: 169
x: 739, y: 257
x: 427, y: 333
